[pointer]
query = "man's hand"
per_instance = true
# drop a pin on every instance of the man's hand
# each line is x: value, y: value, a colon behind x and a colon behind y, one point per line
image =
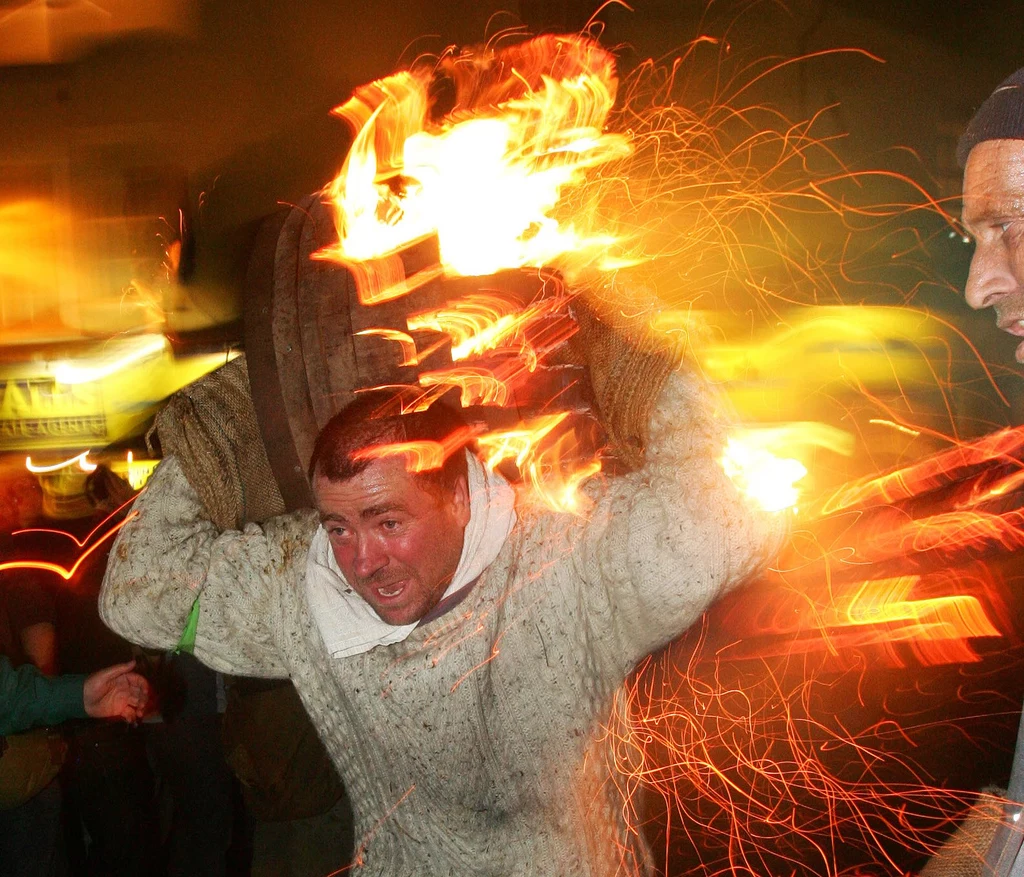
x: 116, y: 691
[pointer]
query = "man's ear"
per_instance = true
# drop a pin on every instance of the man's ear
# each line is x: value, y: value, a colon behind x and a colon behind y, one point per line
x: 460, y: 501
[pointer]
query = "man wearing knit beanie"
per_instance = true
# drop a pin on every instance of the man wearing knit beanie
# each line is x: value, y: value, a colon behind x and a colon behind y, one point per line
x: 991, y: 151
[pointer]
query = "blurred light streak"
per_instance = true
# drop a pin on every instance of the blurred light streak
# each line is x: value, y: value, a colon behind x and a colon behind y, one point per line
x: 66, y: 573
x: 517, y: 443
x: 139, y: 349
x: 81, y: 459
x: 935, y: 472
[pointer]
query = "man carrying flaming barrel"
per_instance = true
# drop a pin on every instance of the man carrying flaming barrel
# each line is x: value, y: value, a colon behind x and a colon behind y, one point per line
x: 458, y: 647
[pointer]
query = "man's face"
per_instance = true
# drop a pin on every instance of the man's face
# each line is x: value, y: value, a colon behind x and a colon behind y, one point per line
x: 397, y: 543
x: 994, y: 216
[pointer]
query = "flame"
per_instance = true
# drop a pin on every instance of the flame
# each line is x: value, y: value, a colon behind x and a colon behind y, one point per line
x: 491, y: 180
x: 408, y: 344
x: 421, y: 456
x: 413, y: 183
x: 518, y: 443
x: 477, y: 385
x: 561, y: 494
x: 883, y: 612
x: 551, y: 471
x: 477, y: 323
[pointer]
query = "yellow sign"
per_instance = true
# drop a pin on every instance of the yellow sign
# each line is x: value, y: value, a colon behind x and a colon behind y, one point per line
x: 38, y: 412
x: 107, y: 394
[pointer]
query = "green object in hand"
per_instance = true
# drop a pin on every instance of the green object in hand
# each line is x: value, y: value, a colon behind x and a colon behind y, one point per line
x: 187, y: 643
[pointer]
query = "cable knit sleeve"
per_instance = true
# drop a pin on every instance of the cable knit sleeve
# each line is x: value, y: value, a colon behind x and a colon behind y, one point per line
x: 663, y: 542
x: 169, y: 553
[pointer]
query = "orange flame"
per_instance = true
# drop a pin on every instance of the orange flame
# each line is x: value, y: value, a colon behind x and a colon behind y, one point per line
x: 482, y: 322
x: 421, y: 456
x: 886, y: 606
x: 478, y: 386
x: 554, y: 479
x: 518, y: 443
x: 410, y: 356
x: 491, y: 178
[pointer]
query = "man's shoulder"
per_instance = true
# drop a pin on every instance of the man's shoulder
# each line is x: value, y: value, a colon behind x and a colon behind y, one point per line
x: 292, y: 534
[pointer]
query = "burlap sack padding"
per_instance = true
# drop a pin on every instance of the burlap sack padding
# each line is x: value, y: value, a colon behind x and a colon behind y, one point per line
x: 963, y: 854
x: 211, y: 427
x: 628, y: 368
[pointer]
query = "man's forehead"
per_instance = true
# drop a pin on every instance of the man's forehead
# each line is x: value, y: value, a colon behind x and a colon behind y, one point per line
x: 994, y: 180
x: 384, y: 483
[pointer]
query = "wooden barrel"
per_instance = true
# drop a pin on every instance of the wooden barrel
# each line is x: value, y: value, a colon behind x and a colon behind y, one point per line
x: 306, y: 359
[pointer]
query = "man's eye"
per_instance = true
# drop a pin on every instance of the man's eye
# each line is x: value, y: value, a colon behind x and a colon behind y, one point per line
x: 1004, y: 225
x: 389, y: 525
x: 337, y: 532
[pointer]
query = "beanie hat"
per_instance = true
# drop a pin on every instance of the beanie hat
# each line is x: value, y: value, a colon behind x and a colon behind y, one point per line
x: 1001, y: 117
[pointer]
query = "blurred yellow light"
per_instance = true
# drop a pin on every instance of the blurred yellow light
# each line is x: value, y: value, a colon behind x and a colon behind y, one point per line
x: 139, y: 349
x: 135, y: 472
x: 767, y: 479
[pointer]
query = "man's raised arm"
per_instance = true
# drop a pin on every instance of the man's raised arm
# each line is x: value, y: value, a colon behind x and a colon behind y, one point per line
x: 168, y: 554
x: 668, y: 539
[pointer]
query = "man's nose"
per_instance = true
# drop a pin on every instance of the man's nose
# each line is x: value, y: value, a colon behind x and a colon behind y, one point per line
x: 370, y: 556
x: 991, y: 277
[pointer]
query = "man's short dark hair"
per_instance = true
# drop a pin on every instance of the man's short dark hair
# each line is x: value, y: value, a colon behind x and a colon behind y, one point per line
x: 371, y: 420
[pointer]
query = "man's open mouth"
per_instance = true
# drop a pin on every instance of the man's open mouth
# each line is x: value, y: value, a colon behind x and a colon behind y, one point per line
x: 390, y: 591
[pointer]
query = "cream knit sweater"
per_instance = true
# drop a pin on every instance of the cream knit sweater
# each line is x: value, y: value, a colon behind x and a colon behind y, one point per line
x: 474, y: 746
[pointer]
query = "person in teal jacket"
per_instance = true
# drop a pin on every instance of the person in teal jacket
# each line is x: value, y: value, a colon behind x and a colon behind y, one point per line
x: 29, y: 699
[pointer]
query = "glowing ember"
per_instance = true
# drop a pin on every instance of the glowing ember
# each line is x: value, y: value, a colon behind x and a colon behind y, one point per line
x: 767, y: 479
x: 492, y: 179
